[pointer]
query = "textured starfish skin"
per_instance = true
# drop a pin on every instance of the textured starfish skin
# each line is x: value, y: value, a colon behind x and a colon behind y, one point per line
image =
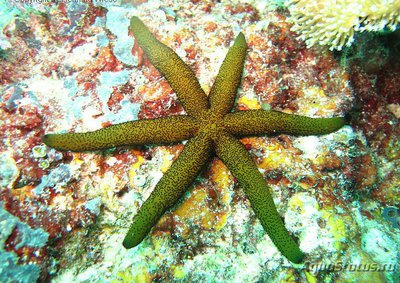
x: 210, y: 128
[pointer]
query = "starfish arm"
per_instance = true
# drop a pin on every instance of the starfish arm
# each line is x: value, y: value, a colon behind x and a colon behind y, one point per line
x: 240, y: 163
x: 223, y: 91
x: 259, y: 122
x: 176, y: 72
x: 170, y: 188
x: 162, y: 130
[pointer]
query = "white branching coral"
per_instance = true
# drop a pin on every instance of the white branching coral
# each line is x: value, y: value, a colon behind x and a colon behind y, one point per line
x: 334, y: 22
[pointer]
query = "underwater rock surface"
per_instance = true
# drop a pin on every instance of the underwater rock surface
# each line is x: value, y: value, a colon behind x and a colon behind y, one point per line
x: 74, y: 67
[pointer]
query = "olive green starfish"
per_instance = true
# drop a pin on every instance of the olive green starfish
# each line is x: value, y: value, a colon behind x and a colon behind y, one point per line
x: 210, y: 128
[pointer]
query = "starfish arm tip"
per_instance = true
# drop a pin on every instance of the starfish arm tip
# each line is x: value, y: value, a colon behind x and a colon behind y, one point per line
x: 178, y: 74
x: 170, y: 188
x: 128, y: 243
x: 241, y: 38
x: 240, y: 163
x: 61, y: 142
x: 223, y: 91
x: 259, y: 122
x: 298, y: 257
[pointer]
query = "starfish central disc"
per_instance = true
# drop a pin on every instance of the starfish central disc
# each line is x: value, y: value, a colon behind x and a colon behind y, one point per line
x: 212, y: 126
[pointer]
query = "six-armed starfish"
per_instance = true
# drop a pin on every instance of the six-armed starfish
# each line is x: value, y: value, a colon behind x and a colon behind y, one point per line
x: 210, y: 128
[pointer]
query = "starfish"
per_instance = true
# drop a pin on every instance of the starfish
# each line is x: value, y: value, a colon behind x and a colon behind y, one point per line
x: 211, y: 129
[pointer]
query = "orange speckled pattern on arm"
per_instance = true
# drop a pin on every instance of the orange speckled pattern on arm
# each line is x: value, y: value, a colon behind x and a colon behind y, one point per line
x: 162, y: 130
x: 176, y: 72
x: 170, y: 188
x: 261, y: 122
x: 243, y: 168
x: 223, y: 91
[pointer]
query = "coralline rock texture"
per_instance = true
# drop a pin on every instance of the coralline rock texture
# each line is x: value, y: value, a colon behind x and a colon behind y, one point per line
x: 41, y: 42
x: 80, y: 71
x: 375, y: 80
x: 38, y: 190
